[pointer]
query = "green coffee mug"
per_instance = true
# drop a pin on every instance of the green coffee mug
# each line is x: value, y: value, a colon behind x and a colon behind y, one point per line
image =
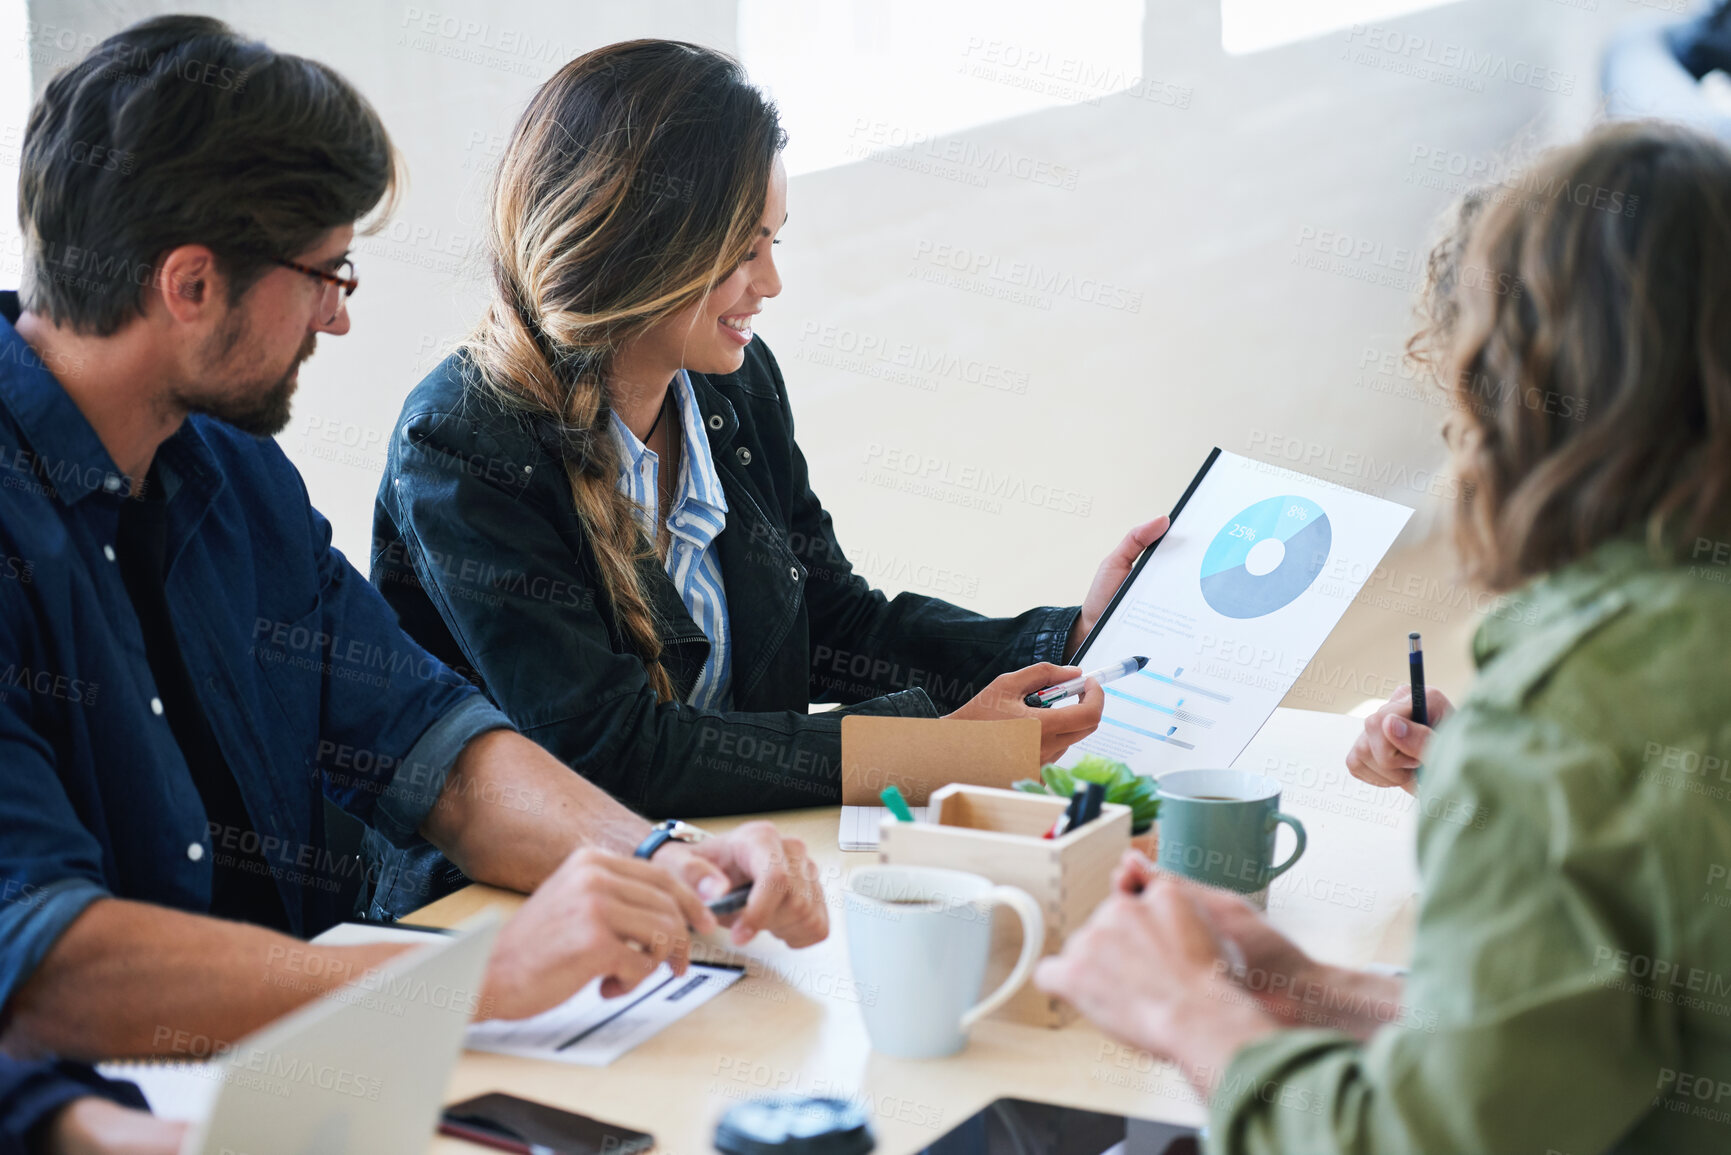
x: 1218, y: 826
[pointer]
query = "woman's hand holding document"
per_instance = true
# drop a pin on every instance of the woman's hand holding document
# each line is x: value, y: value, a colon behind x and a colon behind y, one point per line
x: 1229, y: 606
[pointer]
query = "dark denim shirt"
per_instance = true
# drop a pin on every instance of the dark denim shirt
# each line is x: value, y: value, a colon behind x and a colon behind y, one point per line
x: 31, y: 1094
x: 307, y: 682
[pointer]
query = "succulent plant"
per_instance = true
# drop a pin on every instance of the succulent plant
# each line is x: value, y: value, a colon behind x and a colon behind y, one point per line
x: 1123, y: 785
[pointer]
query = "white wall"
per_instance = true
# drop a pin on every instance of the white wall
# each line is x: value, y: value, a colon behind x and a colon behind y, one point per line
x: 1204, y: 196
x: 14, y: 107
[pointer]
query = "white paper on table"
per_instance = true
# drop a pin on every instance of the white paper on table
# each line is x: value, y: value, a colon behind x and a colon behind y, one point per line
x: 1228, y: 617
x: 859, y: 825
x: 175, y: 1089
x: 368, y: 933
x: 591, y: 1031
x: 585, y: 1029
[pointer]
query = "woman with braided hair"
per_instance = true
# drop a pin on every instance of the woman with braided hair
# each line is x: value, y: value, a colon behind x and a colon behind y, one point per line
x: 596, y: 507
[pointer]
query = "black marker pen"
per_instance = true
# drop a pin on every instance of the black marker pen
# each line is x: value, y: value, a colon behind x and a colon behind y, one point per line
x: 1415, y: 661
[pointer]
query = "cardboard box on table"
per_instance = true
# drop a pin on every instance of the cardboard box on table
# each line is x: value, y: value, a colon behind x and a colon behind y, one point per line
x: 986, y: 828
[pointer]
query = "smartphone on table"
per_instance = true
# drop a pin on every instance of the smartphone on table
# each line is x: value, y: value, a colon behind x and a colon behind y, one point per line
x: 507, y: 1123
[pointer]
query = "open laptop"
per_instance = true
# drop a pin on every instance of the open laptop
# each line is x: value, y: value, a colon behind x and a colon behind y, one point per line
x: 360, y: 1071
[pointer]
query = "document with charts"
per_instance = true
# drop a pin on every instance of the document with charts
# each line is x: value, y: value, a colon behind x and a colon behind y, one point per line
x: 1229, y: 608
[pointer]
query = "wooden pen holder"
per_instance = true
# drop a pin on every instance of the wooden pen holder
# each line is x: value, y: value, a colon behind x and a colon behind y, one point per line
x: 997, y: 833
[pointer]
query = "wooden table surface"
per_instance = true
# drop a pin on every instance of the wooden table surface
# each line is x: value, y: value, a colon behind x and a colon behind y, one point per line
x: 793, y: 1024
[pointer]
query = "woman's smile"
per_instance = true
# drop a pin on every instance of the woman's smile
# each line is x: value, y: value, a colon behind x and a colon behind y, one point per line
x: 738, y: 326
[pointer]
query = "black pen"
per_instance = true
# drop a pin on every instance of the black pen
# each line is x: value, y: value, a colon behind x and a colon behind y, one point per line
x: 1415, y: 661
x: 1093, y: 802
x: 1067, y: 821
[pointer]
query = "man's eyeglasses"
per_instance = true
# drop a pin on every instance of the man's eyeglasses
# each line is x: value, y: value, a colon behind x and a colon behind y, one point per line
x: 339, y: 286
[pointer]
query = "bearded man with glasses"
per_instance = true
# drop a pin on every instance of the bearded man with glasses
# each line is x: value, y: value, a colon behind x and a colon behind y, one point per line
x: 193, y: 672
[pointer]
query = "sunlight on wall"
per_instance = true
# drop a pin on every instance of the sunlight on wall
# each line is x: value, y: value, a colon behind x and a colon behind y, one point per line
x: 1254, y: 25
x: 854, y: 77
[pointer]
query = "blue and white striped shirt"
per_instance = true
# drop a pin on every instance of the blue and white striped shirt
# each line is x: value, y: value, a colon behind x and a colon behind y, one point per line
x: 698, y: 516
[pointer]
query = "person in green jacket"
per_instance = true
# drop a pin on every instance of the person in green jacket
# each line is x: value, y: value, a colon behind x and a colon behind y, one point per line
x: 1570, y: 989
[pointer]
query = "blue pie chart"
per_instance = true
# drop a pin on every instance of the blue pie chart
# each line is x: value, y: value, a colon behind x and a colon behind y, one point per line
x: 1239, y: 585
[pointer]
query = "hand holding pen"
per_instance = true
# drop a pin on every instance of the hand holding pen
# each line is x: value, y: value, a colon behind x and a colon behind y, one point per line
x: 1006, y: 697
x: 1389, y: 751
x: 1052, y: 695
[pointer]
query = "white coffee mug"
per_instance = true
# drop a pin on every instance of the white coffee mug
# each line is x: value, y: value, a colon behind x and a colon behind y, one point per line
x: 920, y: 938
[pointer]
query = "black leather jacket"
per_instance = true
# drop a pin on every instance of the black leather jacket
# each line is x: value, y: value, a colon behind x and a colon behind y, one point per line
x: 478, y: 547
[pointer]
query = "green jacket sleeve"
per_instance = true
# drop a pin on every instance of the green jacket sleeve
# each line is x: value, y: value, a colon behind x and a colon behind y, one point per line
x: 1518, y: 1034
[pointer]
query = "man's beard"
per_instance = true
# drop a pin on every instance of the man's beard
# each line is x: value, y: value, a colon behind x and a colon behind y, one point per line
x: 257, y: 406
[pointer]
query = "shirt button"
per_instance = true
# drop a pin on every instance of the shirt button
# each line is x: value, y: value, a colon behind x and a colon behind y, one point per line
x: 715, y: 421
x: 744, y: 455
x: 793, y: 572
x: 195, y: 852
x: 111, y: 483
x: 156, y: 706
x: 108, y: 552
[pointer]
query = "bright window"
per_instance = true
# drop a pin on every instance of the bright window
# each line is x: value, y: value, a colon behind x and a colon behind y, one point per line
x: 1255, y: 25
x: 856, y: 77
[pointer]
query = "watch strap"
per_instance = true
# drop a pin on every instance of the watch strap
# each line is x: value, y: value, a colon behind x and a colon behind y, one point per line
x: 659, y: 836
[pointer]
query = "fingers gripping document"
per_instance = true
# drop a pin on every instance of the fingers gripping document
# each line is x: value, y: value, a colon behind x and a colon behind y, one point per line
x: 1230, y: 607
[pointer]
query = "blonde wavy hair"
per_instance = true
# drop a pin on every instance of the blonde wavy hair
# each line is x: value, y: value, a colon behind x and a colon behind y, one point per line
x: 1583, y: 330
x: 632, y: 184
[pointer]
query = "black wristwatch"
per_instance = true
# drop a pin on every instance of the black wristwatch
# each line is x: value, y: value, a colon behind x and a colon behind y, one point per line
x: 671, y: 830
